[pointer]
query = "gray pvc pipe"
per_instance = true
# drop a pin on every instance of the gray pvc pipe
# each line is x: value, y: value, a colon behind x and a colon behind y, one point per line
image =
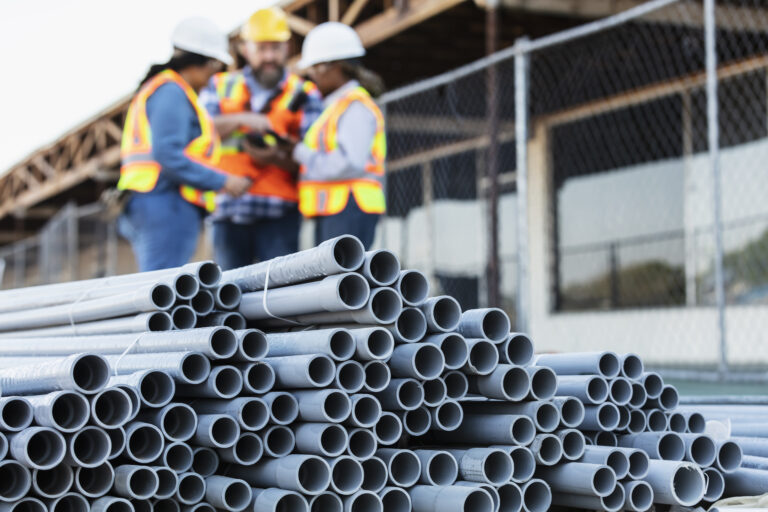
x: 381, y: 267
x: 88, y: 447
x: 600, y: 417
x: 184, y: 367
x: 590, y: 389
x: 456, y: 385
x: 696, y: 422
x: 453, y: 346
x: 335, y: 343
x: 729, y: 454
x: 258, y: 378
x: 143, y: 442
x: 66, y: 411
x: 230, y: 319
x: 523, y: 462
x: 111, y: 408
x: 517, y: 349
x: 47, y: 483
x: 700, y: 449
x: 490, y: 323
x: 454, y: 498
x: 486, y: 465
x: 365, y: 412
x: 117, y: 440
x: 620, y: 391
x: 624, y: 418
x: 422, y: 361
x: 177, y: 456
x: 442, y: 313
x: 325, y: 439
x: 372, y: 343
x: 94, y: 482
x: 413, y: 287
x: 216, y: 431
x: 746, y: 482
x: 24, y: 505
x: 181, y: 316
x: 17, y: 481
x: 278, y: 500
x: 226, y: 493
x: 656, y: 419
x: 666, y: 401
x: 333, y: 293
x: 374, y: 474
x: 283, y: 407
x: 573, y: 443
x: 403, y: 466
x: 402, y: 395
x: 135, y: 482
x: 605, y: 364
x: 341, y: 254
x: 303, y: 371
x: 149, y: 321
x: 505, y: 382
x: 377, y: 376
x: 571, y: 410
x: 167, y: 482
x: 435, y: 392
x: 171, y: 505
x: 638, y: 496
x: 537, y: 495
x: 544, y: 415
x: 754, y: 462
x: 715, y: 484
x: 177, y: 421
x: 252, y: 413
x: 362, y: 443
x: 615, y: 458
x: 326, y: 405
x: 388, y: 429
x: 350, y: 376
x: 202, y: 303
x: 222, y: 382
x: 580, y: 478
x: 438, y: 467
x: 251, y: 345
x: 85, y: 373
x: 16, y: 413
x: 69, y: 502
x: 491, y: 490
x: 631, y: 366
x: 278, y: 441
x: 227, y: 296
x: 382, y: 306
x: 543, y: 383
x: 37, y: 447
x: 658, y: 445
x: 639, y: 396
x: 326, y: 502
x: 675, y: 483
x: 447, y: 416
x: 346, y: 475
x: 307, y: 474
x: 155, y: 388
x: 493, y: 428
x: 653, y: 384
x: 205, y: 461
x: 610, y: 503
x: 191, y: 488
x: 363, y: 500
x: 483, y: 357
x: 410, y: 326
x: 395, y: 499
x: 547, y: 448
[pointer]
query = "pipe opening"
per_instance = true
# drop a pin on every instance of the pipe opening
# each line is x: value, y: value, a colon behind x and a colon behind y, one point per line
x: 639, y: 396
x: 377, y: 376
x: 615, y: 500
x: 703, y: 451
x: 178, y: 456
x: 70, y: 502
x: 160, y: 321
x: 223, y: 342
x: 259, y: 377
x: 448, y: 416
x: 657, y: 421
x: 191, y: 488
x: 641, y: 496
x: 447, y: 313
x: 314, y: 475
x: 157, y: 388
x: 608, y: 416
x: 171, y: 505
x: 111, y: 408
x: 510, y: 498
x: 195, y: 368
x: 15, y: 481
x: 715, y: 485
x: 597, y: 390
x: 678, y: 423
x: 348, y: 253
x: 94, y: 482
x: 118, y: 505
x: 45, y: 448
x: 337, y: 406
x: 638, y: 464
x: 386, y: 305
x: 413, y: 287
x: 228, y: 381
x: 48, y: 483
x: 374, y: 474
x: 696, y: 423
x: 117, y: 441
x: 478, y: 501
x: 284, y: 408
x: 624, y: 418
x: 572, y: 412
x: 619, y: 463
x: 606, y: 439
x: 90, y: 373
x: 632, y: 366
x: 321, y: 371
x: 90, y: 447
x: 254, y: 414
x: 202, y: 302
x: 653, y: 384
x: 637, y: 422
x: 428, y: 362
x: 353, y: 291
x: 537, y: 496
x: 253, y: 344
x: 383, y: 267
x: 163, y: 296
x: 362, y: 444
x: 411, y: 324
x: 295, y: 503
x: 209, y: 274
x: 669, y: 399
x: 333, y: 440
x: 224, y: 431
x: 603, y: 481
x: 380, y: 343
x: 434, y: 392
x: 205, y: 462
x: 388, y: 429
x: 496, y: 325
x: 186, y: 286
x: 279, y: 441
x: 609, y: 365
x: 456, y: 385
x: 523, y: 462
x: 166, y: 482
x: 729, y: 456
x: 573, y: 444
x: 143, y: 483
x: 342, y: 345
x: 671, y: 447
x: 550, y: 450
x: 144, y: 443
x: 497, y: 467
x: 365, y: 502
x: 237, y: 496
x: 523, y: 430
x: 70, y: 411
x: 410, y: 394
x: 234, y: 321
x: 543, y: 383
x: 404, y: 468
x: 350, y: 376
x: 346, y: 475
x: 366, y: 410
x: 547, y: 417
x: 455, y: 351
x: 229, y: 295
x: 688, y: 485
x: 483, y: 357
x: 621, y: 391
x: 29, y: 505
x: 518, y: 349
x: 442, y: 469
x: 179, y: 422
x: 325, y: 502
x: 417, y: 421
x: 394, y: 499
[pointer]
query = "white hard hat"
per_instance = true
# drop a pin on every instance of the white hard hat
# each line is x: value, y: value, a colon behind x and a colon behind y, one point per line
x: 202, y: 36
x: 329, y: 42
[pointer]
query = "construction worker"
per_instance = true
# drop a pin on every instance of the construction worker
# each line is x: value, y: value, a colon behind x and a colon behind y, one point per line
x: 170, y: 151
x: 253, y: 109
x: 342, y: 155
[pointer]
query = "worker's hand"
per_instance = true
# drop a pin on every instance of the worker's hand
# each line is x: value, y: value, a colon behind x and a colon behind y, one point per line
x: 236, y: 186
x: 255, y: 122
x: 261, y: 156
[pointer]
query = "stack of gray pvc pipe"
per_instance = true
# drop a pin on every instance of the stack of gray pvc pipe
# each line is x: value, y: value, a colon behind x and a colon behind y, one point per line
x: 345, y: 388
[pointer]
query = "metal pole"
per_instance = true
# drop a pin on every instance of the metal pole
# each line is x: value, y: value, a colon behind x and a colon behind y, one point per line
x: 521, y: 175
x: 713, y: 132
x: 492, y: 265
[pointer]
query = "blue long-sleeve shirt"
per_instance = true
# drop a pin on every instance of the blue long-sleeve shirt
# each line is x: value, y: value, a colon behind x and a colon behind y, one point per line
x: 174, y: 124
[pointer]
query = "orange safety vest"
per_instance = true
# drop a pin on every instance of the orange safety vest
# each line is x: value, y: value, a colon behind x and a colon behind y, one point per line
x: 318, y: 198
x: 139, y: 170
x: 234, y: 96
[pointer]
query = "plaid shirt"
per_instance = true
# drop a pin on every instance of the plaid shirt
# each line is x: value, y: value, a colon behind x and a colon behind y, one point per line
x: 249, y: 208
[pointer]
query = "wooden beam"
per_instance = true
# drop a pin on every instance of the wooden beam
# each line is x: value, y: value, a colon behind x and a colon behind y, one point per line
x: 38, y: 212
x: 297, y: 5
x: 300, y: 25
x: 392, y: 21
x: 353, y: 11
x: 333, y: 10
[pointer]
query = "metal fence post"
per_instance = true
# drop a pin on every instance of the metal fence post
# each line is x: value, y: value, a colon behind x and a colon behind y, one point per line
x: 492, y: 163
x: 713, y: 133
x: 521, y: 177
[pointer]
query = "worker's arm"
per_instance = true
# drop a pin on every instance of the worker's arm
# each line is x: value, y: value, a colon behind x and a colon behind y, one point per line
x: 357, y: 128
x: 228, y: 123
x: 171, y: 117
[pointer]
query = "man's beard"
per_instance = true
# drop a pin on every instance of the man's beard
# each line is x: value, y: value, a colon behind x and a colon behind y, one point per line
x: 269, y: 78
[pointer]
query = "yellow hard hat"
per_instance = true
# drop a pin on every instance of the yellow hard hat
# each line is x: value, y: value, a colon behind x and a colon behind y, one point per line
x: 266, y: 25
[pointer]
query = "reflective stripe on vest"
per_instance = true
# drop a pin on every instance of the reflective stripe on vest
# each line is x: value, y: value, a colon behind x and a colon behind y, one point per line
x: 330, y: 197
x: 139, y: 170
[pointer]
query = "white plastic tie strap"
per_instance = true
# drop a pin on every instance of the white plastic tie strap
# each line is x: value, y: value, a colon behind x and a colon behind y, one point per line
x: 264, y: 298
x: 126, y: 352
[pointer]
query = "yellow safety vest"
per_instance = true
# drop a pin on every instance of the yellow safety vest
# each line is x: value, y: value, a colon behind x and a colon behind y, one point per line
x: 139, y: 170
x: 319, y: 198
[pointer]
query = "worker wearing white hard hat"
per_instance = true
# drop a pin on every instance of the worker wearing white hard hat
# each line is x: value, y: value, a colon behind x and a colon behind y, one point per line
x: 341, y: 181
x: 170, y: 151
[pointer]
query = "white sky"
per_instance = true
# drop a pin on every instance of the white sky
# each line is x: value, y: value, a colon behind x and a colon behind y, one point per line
x: 63, y: 61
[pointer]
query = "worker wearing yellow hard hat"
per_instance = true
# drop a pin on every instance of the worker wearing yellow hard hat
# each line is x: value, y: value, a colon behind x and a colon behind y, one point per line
x: 342, y: 154
x: 256, y: 109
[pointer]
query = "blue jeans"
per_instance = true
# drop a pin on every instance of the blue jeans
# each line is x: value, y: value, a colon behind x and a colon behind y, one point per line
x: 350, y: 221
x: 162, y: 227
x: 237, y: 245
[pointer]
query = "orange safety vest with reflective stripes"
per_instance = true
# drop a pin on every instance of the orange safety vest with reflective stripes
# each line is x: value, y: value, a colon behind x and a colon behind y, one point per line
x: 139, y: 170
x: 234, y: 96
x: 319, y: 198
